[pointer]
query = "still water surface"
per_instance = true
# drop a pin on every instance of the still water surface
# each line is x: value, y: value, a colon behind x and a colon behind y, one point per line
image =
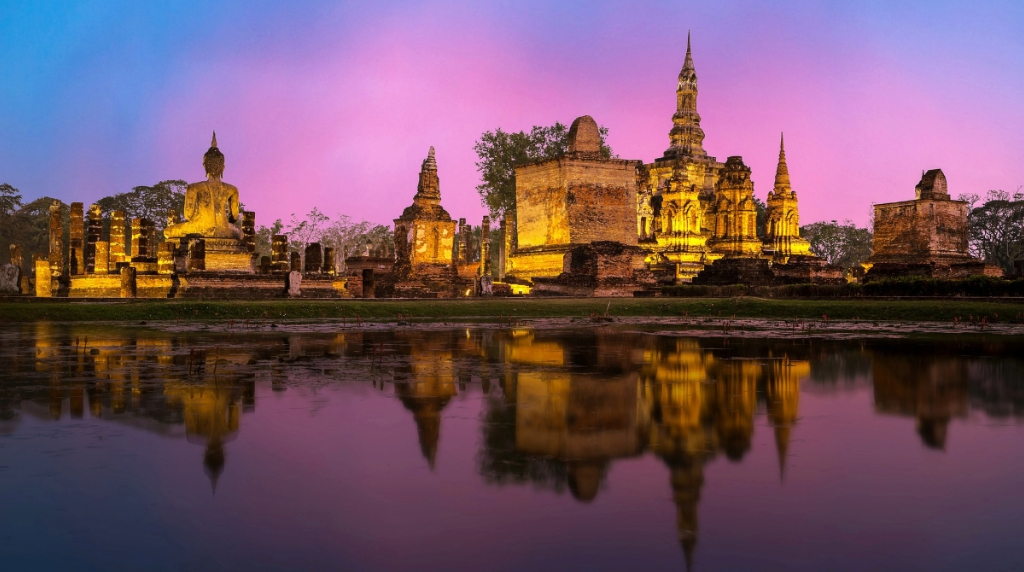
x: 510, y: 449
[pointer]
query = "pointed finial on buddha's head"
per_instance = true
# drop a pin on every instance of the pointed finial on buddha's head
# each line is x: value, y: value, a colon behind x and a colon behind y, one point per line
x: 214, y: 142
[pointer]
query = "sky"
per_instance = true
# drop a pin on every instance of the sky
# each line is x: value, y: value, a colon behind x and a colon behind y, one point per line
x: 334, y: 105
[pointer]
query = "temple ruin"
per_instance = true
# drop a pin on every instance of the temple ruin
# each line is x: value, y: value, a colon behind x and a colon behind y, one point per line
x: 924, y: 237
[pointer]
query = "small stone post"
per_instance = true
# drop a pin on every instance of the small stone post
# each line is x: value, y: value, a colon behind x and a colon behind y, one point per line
x: 128, y: 284
x: 293, y: 283
x: 314, y: 257
x: 76, y: 253
x: 94, y: 233
x: 118, y: 234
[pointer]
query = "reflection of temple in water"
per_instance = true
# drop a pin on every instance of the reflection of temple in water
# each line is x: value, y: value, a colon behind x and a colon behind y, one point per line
x: 932, y: 389
x: 154, y: 384
x: 574, y: 403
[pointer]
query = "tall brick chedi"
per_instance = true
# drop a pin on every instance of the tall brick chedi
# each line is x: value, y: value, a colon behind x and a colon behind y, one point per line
x: 677, y: 189
x: 425, y: 241
x: 782, y: 233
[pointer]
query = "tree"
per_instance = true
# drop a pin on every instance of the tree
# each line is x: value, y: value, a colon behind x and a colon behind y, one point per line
x: 153, y: 203
x: 10, y: 201
x: 501, y: 152
x: 996, y: 227
x: 302, y: 232
x: 265, y: 236
x: 761, y: 220
x: 844, y: 244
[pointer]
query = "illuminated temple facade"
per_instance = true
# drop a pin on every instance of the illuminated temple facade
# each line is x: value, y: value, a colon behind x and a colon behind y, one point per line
x: 691, y: 211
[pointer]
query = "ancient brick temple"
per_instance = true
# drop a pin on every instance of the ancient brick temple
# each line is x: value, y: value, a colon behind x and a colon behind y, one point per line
x: 924, y: 237
x: 424, y: 243
x: 572, y: 200
x: 782, y: 235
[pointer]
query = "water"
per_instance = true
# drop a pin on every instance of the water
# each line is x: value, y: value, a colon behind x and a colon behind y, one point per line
x: 507, y: 449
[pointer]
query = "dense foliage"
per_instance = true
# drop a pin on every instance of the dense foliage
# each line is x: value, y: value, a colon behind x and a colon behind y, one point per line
x: 500, y: 152
x: 843, y: 244
x: 996, y: 227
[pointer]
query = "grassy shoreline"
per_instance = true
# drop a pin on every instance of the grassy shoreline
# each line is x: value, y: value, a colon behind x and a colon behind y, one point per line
x: 501, y: 308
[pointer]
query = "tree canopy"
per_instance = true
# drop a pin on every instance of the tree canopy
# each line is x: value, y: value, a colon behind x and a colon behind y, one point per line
x: 843, y: 244
x: 996, y: 227
x: 500, y: 152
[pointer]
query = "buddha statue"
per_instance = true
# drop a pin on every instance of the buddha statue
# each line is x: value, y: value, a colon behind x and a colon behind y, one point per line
x: 211, y: 206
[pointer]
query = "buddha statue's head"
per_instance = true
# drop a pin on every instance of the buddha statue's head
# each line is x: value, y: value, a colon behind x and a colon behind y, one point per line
x: 213, y: 161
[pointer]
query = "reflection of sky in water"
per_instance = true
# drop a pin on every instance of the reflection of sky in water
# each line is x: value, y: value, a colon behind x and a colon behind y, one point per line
x: 506, y: 450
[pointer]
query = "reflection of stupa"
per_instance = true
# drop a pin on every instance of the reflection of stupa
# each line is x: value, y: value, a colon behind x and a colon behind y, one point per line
x: 782, y: 394
x: 932, y: 389
x: 211, y: 415
x: 426, y: 399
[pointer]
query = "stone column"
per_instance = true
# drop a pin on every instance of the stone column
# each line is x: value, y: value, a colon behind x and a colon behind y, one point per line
x: 249, y: 231
x: 143, y: 240
x: 94, y: 233
x: 44, y: 281
x: 463, y: 242
x: 102, y: 262
x: 165, y: 258
x: 118, y: 234
x: 196, y: 257
x: 330, y: 264
x: 296, y: 265
x: 485, y: 247
x: 56, y: 255
x: 314, y: 257
x: 264, y: 265
x: 279, y: 253
x: 502, y: 248
x: 128, y: 284
x: 76, y: 252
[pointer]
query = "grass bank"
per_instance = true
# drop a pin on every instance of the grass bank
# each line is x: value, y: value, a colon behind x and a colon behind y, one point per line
x: 497, y: 308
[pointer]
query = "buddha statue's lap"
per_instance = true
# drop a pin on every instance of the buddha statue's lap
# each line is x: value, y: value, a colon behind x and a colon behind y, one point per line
x: 211, y: 209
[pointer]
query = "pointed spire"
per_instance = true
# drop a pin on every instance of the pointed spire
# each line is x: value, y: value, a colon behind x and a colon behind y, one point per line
x: 214, y: 142
x: 782, y: 183
x: 782, y: 448
x: 688, y: 63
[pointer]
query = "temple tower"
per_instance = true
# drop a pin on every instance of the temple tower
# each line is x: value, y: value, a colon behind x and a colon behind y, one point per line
x: 686, y: 137
x: 782, y: 238
x: 676, y: 190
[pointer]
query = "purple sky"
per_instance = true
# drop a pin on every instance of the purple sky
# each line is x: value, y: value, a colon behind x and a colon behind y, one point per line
x: 334, y: 105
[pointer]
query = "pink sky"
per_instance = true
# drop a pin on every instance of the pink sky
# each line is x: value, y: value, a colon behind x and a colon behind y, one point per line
x: 335, y: 107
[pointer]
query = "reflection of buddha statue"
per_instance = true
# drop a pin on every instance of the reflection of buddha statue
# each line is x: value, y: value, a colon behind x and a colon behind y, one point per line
x: 211, y: 206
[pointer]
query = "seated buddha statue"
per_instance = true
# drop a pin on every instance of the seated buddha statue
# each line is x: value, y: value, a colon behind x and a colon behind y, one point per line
x: 211, y: 206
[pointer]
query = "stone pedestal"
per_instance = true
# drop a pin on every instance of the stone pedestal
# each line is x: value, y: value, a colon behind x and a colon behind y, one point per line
x: 195, y: 257
x: 165, y: 258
